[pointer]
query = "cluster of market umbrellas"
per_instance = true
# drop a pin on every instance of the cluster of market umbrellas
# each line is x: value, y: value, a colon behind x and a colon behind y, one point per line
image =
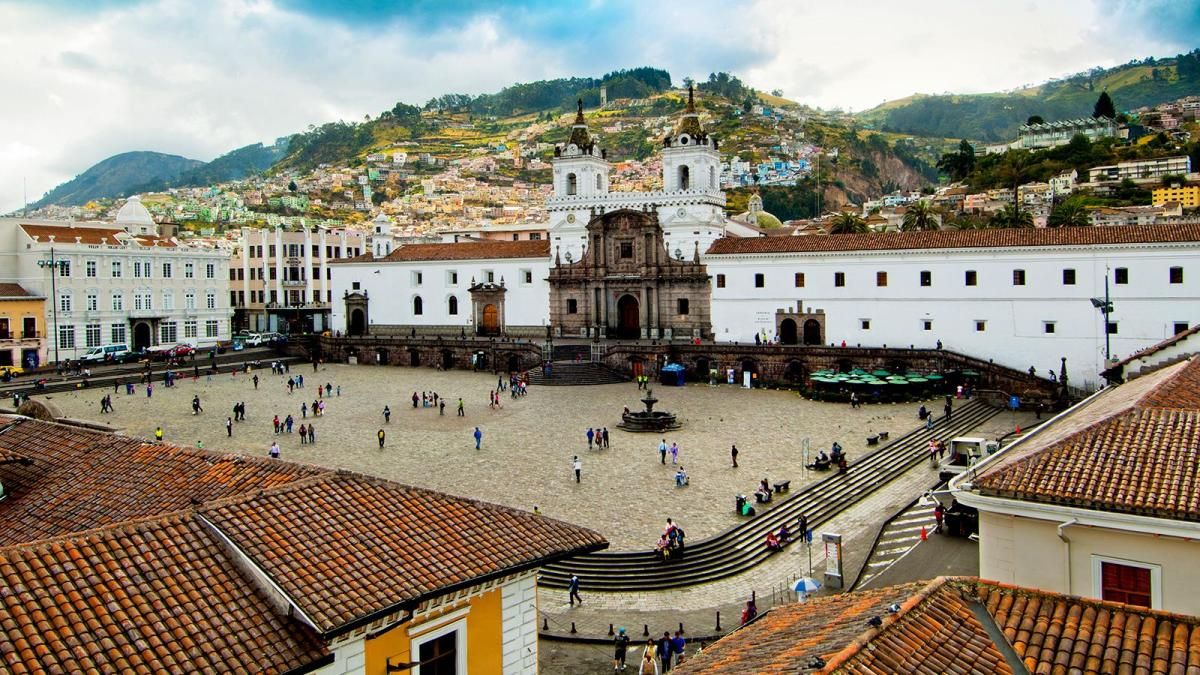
x: 874, y: 378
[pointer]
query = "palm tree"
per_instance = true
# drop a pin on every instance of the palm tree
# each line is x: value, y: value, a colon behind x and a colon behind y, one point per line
x: 969, y: 221
x: 1069, y: 214
x: 847, y: 223
x: 1015, y: 168
x: 1012, y: 216
x: 921, y: 215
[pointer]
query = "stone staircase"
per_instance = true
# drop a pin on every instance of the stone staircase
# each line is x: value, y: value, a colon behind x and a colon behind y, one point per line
x: 575, y: 373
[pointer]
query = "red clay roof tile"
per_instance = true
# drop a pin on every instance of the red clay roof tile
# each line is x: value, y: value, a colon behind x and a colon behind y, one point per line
x: 473, y: 250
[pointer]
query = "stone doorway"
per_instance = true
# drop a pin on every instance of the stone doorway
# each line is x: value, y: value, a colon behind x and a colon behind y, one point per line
x: 447, y: 359
x: 414, y: 357
x: 812, y: 332
x: 787, y: 332
x: 490, y: 321
x: 628, y: 318
x: 358, y: 322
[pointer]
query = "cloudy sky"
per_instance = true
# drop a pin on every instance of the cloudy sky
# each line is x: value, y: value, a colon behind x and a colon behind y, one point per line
x: 85, y: 79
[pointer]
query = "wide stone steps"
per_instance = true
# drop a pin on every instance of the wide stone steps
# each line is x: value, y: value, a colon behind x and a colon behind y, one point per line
x: 572, y: 373
x: 742, y: 547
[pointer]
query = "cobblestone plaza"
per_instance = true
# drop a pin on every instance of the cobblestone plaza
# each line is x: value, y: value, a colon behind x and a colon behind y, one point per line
x: 528, y: 443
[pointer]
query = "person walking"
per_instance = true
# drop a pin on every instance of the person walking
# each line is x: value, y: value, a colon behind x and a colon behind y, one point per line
x: 288, y: 423
x: 478, y: 437
x: 573, y: 591
x: 590, y: 435
x: 620, y: 647
x: 149, y: 389
x: 303, y: 435
x: 734, y: 453
x: 577, y: 465
x: 674, y: 452
x: 312, y: 433
x: 387, y: 415
x: 939, y: 514
x: 380, y: 435
x: 442, y: 407
x: 256, y: 381
x: 666, y: 649
x: 273, y: 452
x: 196, y: 409
x: 604, y: 435
x: 158, y: 434
x: 948, y: 409
x: 662, y: 451
x: 304, y: 410
x: 229, y: 427
x: 461, y: 413
x: 649, y: 664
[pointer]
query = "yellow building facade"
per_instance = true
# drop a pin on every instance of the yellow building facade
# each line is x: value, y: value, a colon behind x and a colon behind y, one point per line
x: 1188, y: 196
x: 22, y: 327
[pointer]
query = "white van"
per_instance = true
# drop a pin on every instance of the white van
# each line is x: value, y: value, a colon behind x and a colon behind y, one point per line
x: 114, y: 353
x: 253, y: 340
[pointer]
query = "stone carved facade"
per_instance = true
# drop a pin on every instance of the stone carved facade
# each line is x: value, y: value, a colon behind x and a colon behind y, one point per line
x: 628, y: 285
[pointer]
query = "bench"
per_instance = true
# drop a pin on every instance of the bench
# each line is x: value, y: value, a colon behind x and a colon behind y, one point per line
x: 783, y: 485
x: 873, y: 440
x: 761, y: 498
x: 883, y: 435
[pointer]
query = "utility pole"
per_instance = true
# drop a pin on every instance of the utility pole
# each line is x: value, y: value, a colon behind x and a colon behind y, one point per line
x: 54, y: 265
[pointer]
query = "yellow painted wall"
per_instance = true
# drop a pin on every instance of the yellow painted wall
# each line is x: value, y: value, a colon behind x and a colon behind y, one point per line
x: 17, y: 310
x: 484, y: 638
x: 1188, y: 196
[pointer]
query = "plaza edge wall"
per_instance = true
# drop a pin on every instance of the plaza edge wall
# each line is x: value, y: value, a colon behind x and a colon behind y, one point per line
x: 1145, y: 309
x: 1007, y: 544
x: 391, y: 288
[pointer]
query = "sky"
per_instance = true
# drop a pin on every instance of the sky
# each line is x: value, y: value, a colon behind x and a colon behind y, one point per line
x: 85, y: 79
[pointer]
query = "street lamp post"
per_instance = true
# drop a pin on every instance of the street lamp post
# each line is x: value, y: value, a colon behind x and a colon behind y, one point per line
x: 1106, y: 308
x: 54, y: 265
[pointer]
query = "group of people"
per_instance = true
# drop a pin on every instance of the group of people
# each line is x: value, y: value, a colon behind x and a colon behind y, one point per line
x: 670, y: 543
x: 663, y: 449
x: 658, y: 656
x: 836, y: 457
x: 598, y: 437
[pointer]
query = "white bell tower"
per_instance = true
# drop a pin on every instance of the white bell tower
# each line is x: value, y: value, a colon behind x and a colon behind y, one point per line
x: 581, y: 173
x: 382, y: 241
x: 691, y: 162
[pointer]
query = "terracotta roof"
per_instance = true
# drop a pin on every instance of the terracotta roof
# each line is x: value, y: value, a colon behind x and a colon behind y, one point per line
x: 940, y: 628
x: 65, y: 234
x: 346, y: 546
x: 159, y: 596
x: 1135, y: 449
x: 1155, y: 348
x: 992, y: 238
x: 474, y: 250
x: 81, y: 479
x: 14, y: 291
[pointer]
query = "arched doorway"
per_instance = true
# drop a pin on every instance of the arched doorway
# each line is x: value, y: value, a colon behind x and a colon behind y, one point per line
x: 381, y: 356
x: 812, y: 332
x: 628, y: 318
x: 358, y: 322
x: 796, y: 371
x: 750, y: 366
x: 414, y: 358
x: 447, y: 359
x: 490, y: 323
x: 787, y: 332
x: 636, y: 366
x: 514, y: 363
x: 141, y: 336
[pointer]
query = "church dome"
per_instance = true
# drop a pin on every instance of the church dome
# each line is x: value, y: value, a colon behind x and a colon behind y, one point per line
x: 133, y: 213
x: 767, y: 221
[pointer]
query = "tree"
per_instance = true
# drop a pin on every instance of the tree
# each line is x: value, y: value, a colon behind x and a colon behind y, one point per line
x: 958, y: 165
x: 1015, y: 168
x: 1012, y: 216
x: 969, y: 221
x: 1104, y: 107
x: 1068, y: 214
x: 292, y: 186
x: 920, y: 215
x: 1035, y: 119
x: 847, y: 223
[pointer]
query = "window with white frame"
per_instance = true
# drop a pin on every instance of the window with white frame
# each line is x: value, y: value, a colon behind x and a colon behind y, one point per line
x: 93, y: 301
x: 118, y: 302
x: 168, y: 301
x: 1129, y: 581
x: 210, y: 300
x: 212, y: 328
x: 452, y: 278
x: 189, y: 300
x: 116, y: 332
x: 89, y: 269
x: 64, y: 268
x: 189, y: 329
x: 210, y: 271
x: 166, y: 270
x: 142, y: 301
x: 167, y: 332
x: 418, y: 278
x: 91, y: 335
x: 189, y: 270
x: 442, y: 651
x: 64, y: 302
x: 116, y: 269
x: 66, y: 337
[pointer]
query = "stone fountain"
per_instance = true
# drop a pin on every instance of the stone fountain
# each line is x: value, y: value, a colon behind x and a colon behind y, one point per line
x: 649, y: 419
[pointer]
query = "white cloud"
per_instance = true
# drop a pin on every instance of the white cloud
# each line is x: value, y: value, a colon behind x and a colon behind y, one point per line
x: 199, y: 79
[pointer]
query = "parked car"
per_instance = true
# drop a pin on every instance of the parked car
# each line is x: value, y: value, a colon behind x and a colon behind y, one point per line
x: 254, y: 339
x: 180, y: 350
x: 106, y: 353
x: 9, y: 372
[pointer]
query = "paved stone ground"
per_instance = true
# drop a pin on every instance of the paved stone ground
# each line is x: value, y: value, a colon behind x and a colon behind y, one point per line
x: 528, y: 443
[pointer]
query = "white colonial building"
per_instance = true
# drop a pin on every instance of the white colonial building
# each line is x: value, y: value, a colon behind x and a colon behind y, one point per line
x: 118, y: 283
x: 1022, y: 297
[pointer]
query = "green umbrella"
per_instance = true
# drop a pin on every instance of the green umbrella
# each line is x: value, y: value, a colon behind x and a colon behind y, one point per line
x: 970, y: 373
x: 917, y: 379
x: 934, y: 376
x: 880, y: 373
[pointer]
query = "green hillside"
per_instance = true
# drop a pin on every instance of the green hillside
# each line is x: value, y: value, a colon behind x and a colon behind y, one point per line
x: 117, y: 176
x: 995, y: 117
x: 234, y: 165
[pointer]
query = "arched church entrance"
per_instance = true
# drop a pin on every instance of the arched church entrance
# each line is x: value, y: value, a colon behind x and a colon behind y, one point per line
x: 812, y: 332
x: 414, y: 357
x: 787, y: 332
x: 141, y: 336
x: 358, y: 322
x: 628, y: 318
